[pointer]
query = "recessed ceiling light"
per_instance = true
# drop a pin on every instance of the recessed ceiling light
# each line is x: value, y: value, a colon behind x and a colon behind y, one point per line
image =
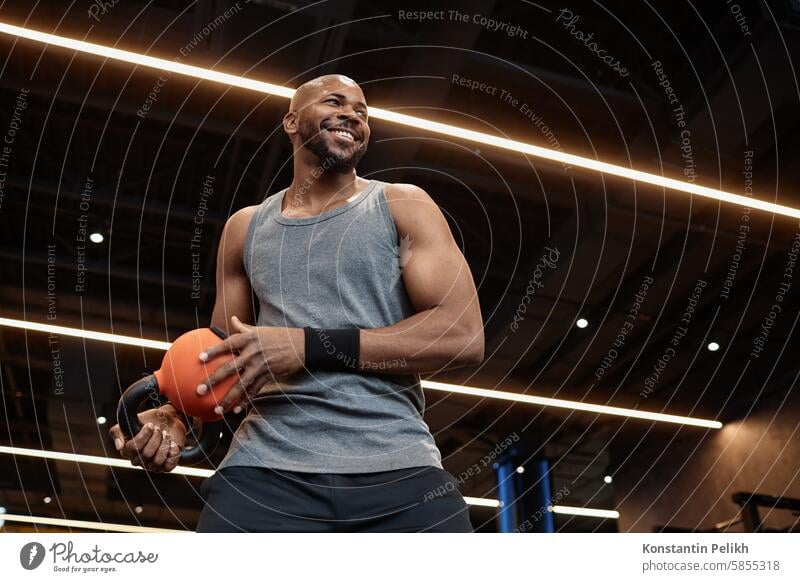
x: 520, y: 470
x: 607, y: 479
x: 138, y: 509
x: 48, y: 499
x: 96, y: 237
x: 713, y: 347
x: 101, y: 420
x: 581, y: 323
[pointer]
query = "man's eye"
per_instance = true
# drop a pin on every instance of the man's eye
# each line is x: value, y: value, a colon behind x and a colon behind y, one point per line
x: 332, y: 100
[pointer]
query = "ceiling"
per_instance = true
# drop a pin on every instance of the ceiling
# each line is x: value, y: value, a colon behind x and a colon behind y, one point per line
x: 650, y: 269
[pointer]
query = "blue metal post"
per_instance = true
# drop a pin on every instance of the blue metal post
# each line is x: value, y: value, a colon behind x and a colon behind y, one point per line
x: 506, y: 494
x: 542, y: 494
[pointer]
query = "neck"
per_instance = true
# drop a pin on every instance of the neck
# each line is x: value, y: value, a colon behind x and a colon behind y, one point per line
x: 311, y: 189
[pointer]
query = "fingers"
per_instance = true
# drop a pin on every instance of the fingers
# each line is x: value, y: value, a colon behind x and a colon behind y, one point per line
x: 160, y: 453
x: 132, y: 447
x: 252, y: 389
x: 115, y: 432
x: 231, y: 345
x: 166, y: 453
x: 239, y: 326
x: 151, y: 448
x: 222, y: 372
x: 167, y: 456
x: 233, y: 395
x: 141, y: 448
x: 173, y: 457
x: 237, y: 392
x: 163, y: 449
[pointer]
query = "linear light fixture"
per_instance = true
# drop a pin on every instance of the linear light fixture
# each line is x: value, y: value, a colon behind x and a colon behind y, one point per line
x: 427, y: 384
x: 125, y: 464
x: 94, y: 525
x: 482, y: 501
x: 585, y: 511
x: 119, y: 463
x: 402, y: 119
x: 84, y: 333
x: 571, y: 404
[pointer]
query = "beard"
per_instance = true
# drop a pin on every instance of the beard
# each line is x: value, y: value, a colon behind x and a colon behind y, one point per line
x: 330, y: 160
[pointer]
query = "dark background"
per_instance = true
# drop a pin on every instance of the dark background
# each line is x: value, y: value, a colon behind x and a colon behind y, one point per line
x: 739, y: 92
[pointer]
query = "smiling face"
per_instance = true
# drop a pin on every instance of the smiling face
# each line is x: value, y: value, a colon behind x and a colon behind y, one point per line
x: 328, y: 117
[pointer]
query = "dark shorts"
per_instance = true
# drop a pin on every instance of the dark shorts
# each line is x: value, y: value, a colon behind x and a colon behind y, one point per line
x: 254, y: 499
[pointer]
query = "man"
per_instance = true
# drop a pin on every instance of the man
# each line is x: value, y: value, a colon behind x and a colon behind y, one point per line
x: 361, y: 287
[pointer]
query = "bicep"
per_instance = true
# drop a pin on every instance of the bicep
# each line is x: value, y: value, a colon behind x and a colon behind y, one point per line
x: 437, y: 275
x: 435, y: 272
x: 233, y: 286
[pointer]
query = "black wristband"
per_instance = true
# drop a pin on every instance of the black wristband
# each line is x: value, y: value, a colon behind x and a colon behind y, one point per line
x: 332, y: 349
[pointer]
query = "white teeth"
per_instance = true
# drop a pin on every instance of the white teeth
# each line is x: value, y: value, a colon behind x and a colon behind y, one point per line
x: 343, y: 134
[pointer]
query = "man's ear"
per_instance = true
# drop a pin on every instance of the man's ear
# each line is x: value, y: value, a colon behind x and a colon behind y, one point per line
x: 290, y: 123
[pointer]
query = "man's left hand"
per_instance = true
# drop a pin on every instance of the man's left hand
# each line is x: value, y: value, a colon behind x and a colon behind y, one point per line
x: 264, y: 355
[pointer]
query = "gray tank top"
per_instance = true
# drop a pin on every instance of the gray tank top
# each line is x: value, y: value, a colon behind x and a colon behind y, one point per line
x: 335, y: 270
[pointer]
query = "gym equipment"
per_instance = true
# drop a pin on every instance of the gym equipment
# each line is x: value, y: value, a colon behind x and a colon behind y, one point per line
x: 750, y: 502
x: 176, y: 383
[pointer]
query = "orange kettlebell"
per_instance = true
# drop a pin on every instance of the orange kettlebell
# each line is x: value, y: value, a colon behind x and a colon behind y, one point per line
x: 176, y: 381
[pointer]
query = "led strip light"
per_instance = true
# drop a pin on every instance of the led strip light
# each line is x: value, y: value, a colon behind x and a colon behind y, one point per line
x: 118, y: 527
x: 571, y: 404
x: 95, y: 525
x: 427, y: 384
x: 482, y: 501
x: 126, y: 464
x: 84, y: 333
x: 119, y: 463
x: 192, y: 472
x: 585, y: 511
x: 402, y: 119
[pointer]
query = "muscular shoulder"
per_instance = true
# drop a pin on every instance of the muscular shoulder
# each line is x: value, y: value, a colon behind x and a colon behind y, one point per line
x: 412, y: 207
x: 241, y: 218
x: 235, y: 231
x: 400, y: 192
x: 238, y: 222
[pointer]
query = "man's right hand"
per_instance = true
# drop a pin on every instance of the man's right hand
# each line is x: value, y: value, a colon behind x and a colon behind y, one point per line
x: 157, y: 446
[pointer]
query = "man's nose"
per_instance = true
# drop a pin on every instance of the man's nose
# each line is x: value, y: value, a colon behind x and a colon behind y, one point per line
x: 348, y: 113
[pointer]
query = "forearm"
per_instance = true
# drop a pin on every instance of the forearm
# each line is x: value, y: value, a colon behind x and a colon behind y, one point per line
x: 429, y: 341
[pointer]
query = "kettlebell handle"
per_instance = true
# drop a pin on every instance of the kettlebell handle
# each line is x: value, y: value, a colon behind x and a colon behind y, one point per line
x: 147, y: 389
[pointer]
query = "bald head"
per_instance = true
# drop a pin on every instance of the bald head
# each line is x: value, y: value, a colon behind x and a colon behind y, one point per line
x: 310, y: 90
x: 328, y: 118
